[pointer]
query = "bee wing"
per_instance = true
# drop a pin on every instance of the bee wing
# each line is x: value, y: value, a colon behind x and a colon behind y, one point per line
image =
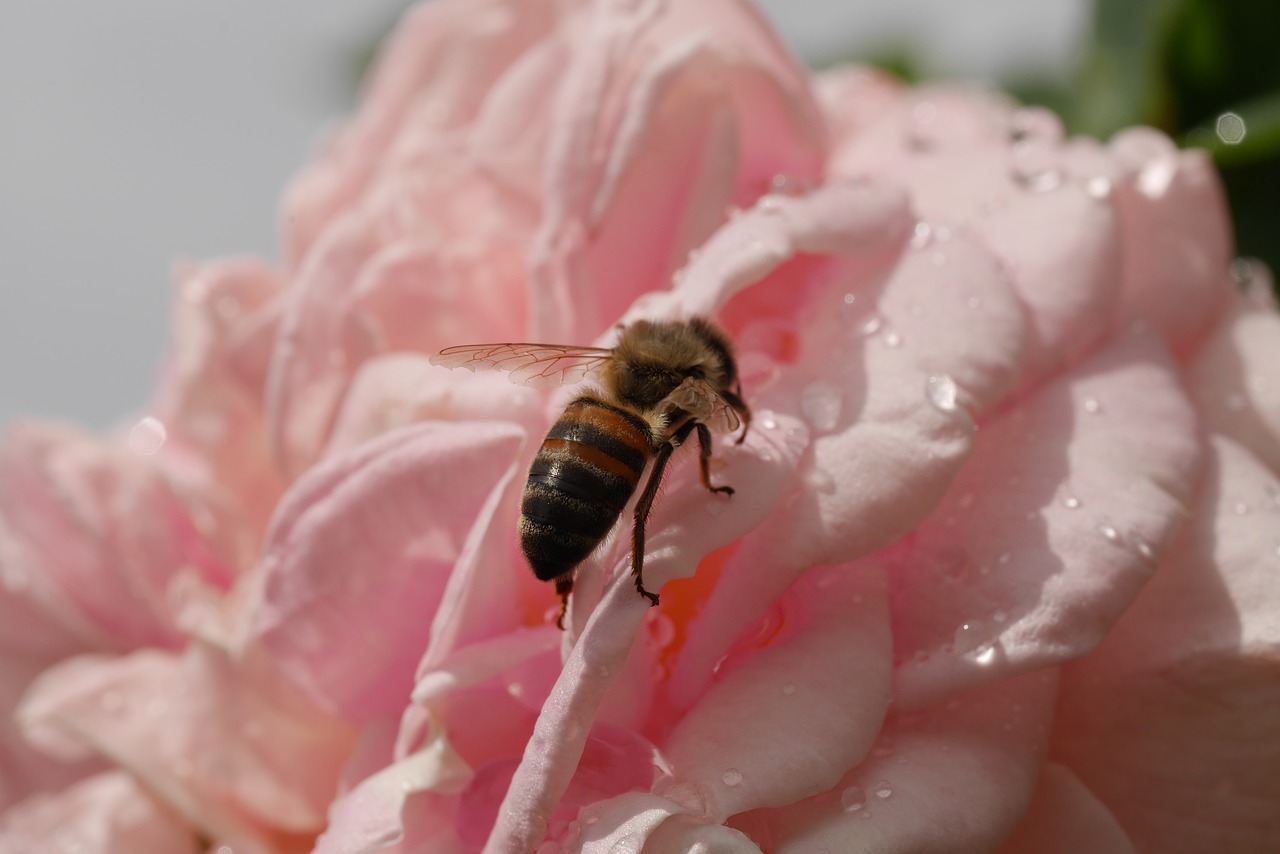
x: 537, y: 365
x: 698, y: 398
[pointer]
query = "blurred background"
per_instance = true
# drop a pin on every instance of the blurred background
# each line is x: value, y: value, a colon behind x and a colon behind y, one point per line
x: 138, y: 133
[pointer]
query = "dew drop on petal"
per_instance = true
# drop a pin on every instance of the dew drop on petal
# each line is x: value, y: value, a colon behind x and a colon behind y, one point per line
x: 883, y: 790
x: 768, y: 421
x: 1071, y: 502
x: 853, y: 799
x: 850, y: 298
x: 821, y: 403
x: 941, y: 391
x: 1110, y: 533
x: 147, y: 436
x: 892, y: 339
x: 789, y: 688
x: 986, y: 655
x: 1241, y: 508
x: 731, y: 777
x: 871, y: 325
x: 1092, y: 406
x: 1098, y: 188
x: 590, y: 816
x: 921, y: 235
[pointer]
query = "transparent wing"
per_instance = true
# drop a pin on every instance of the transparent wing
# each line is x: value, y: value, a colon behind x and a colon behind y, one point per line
x: 537, y: 365
x: 698, y: 398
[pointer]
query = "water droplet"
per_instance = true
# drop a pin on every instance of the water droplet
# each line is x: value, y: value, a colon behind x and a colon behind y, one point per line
x: 853, y: 799
x: 986, y: 655
x: 951, y: 562
x: 1241, y: 508
x: 715, y: 668
x: 731, y: 777
x: 1004, y: 558
x: 883, y: 789
x: 789, y: 185
x: 1098, y: 188
x: 661, y: 628
x: 999, y: 617
x: 871, y: 325
x: 789, y: 688
x: 1039, y: 179
x: 1071, y: 502
x: 147, y: 436
x: 225, y: 849
x: 921, y: 235
x: 821, y: 403
x: 1154, y: 178
x: 965, y: 635
x: 767, y: 421
x: 941, y: 391
x: 589, y: 816
x: 1231, y: 128
x: 850, y: 299
x: 892, y: 339
x: 1092, y: 406
x: 1110, y: 533
x: 1144, y: 548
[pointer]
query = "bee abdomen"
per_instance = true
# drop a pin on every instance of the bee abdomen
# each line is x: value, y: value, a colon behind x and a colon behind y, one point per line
x: 580, y: 480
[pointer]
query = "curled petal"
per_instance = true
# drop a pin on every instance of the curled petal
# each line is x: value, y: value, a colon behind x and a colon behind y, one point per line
x: 1171, y: 721
x: 788, y: 720
x: 1176, y: 236
x: 359, y: 554
x: 1235, y: 377
x: 953, y: 779
x: 1051, y: 529
x: 107, y: 812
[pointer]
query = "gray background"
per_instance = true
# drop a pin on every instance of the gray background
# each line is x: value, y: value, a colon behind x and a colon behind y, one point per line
x: 136, y: 133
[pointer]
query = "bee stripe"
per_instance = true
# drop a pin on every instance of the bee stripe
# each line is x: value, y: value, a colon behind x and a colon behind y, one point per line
x: 620, y: 435
x: 593, y: 457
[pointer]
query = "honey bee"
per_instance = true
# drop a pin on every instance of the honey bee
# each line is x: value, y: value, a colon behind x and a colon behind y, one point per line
x: 661, y: 382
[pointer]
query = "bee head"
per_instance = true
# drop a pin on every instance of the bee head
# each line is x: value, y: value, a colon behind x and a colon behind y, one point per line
x: 651, y: 359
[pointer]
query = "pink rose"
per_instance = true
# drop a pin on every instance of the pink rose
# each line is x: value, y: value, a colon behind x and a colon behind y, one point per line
x: 998, y: 574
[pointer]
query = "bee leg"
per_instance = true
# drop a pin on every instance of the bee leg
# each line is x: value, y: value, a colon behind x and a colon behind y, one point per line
x: 564, y: 586
x: 645, y: 504
x: 704, y: 460
x: 739, y: 406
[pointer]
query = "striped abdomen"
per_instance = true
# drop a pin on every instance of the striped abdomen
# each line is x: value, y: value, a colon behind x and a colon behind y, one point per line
x: 580, y: 480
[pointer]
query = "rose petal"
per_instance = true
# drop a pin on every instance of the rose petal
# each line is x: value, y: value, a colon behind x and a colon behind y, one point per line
x: 359, y: 555
x: 1051, y: 529
x: 95, y: 534
x: 1235, y: 376
x: 1176, y: 235
x: 788, y: 721
x: 1171, y: 721
x: 233, y: 758
x: 954, y: 779
x: 107, y: 812
x: 435, y: 71
x: 373, y: 816
x: 627, y: 190
x: 1066, y: 818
